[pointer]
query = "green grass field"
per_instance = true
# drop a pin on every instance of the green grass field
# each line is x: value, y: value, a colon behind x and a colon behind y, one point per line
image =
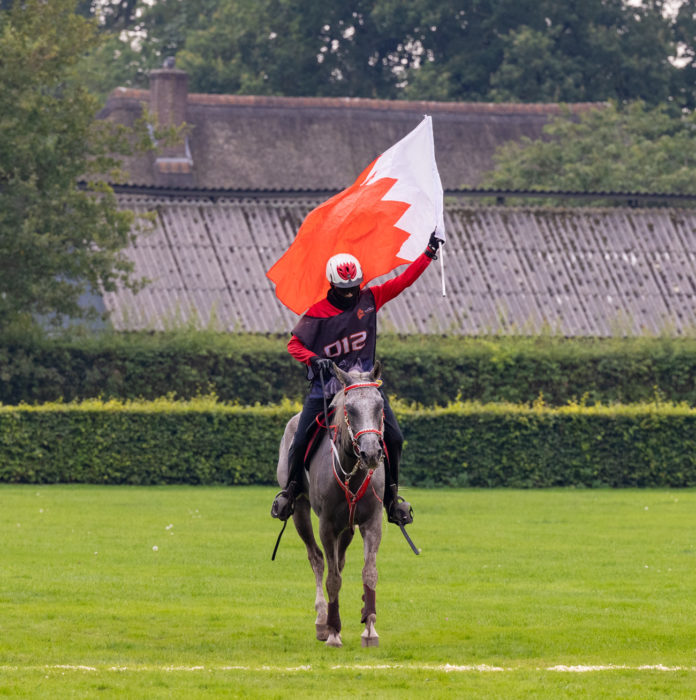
x: 517, y: 594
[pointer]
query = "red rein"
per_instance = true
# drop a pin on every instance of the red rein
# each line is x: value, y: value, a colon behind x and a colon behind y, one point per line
x: 353, y: 498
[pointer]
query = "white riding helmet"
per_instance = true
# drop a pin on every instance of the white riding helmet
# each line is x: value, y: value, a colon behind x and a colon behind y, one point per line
x: 343, y: 270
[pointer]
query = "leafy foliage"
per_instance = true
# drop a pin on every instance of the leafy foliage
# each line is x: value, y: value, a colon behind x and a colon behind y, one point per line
x: 258, y: 369
x: 294, y: 48
x: 630, y: 149
x: 588, y: 51
x: 479, y: 50
x: 204, y: 442
x: 162, y: 442
x: 643, y: 445
x: 520, y: 51
x: 137, y: 37
x: 236, y: 368
x: 57, y: 240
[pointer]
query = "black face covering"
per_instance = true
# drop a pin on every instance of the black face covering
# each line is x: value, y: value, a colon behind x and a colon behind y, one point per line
x: 342, y: 302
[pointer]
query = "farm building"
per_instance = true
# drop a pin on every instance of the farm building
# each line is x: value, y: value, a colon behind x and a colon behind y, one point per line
x: 230, y: 198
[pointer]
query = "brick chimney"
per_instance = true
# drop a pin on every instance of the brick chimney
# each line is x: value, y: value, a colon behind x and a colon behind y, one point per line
x: 168, y: 99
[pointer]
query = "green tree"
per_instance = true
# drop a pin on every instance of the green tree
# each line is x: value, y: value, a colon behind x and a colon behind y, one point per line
x: 519, y: 50
x: 588, y: 51
x: 461, y: 45
x: 478, y: 50
x: 685, y: 37
x: 366, y: 48
x: 136, y: 37
x: 112, y: 14
x: 633, y: 149
x: 57, y: 240
x: 294, y: 47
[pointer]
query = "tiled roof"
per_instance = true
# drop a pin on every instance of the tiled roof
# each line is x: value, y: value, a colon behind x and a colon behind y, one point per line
x: 419, y: 106
x: 575, y: 271
x: 281, y: 143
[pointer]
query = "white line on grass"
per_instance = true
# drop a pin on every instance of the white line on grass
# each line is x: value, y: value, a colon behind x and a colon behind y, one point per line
x: 446, y: 668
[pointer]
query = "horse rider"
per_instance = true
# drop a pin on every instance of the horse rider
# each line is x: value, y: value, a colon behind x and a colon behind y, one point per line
x: 343, y: 328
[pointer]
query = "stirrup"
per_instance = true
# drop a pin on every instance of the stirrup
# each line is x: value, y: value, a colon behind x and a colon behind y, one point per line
x: 400, y: 512
x: 283, y: 505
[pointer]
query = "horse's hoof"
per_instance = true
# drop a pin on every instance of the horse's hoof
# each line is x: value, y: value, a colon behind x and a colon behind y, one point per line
x: 334, y: 640
x: 369, y: 638
x: 322, y: 632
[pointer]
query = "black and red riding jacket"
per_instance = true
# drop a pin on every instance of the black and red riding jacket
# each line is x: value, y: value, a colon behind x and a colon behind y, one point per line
x: 347, y: 337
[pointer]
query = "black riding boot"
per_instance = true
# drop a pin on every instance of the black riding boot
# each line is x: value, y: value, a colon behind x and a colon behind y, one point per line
x: 398, y: 510
x: 284, y: 504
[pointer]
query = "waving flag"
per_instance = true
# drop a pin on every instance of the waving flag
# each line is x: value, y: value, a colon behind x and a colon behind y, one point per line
x: 384, y: 219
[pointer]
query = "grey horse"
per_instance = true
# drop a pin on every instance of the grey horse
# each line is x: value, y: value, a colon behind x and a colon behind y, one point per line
x: 345, y: 486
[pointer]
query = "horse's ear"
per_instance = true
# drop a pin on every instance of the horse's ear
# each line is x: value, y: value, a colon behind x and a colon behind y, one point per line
x: 342, y: 376
x: 376, y: 371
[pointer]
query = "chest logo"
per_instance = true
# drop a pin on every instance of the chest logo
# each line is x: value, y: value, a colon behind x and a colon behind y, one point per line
x: 363, y: 312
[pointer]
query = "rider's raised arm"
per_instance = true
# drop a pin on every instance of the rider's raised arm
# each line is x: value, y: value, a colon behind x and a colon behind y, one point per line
x: 391, y: 288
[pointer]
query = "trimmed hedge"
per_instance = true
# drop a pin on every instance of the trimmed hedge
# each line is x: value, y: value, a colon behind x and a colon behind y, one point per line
x: 159, y: 442
x: 646, y: 445
x: 464, y: 444
x: 429, y: 370
x: 141, y: 365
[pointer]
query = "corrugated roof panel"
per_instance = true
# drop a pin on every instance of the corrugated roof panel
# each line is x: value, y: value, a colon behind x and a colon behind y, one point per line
x: 511, y: 270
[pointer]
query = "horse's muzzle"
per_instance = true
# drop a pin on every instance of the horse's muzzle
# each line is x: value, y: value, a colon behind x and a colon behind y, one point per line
x: 370, y: 450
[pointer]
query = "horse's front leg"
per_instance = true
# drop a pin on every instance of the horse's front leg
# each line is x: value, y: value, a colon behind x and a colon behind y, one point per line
x: 303, y: 524
x: 372, y: 537
x: 331, y: 544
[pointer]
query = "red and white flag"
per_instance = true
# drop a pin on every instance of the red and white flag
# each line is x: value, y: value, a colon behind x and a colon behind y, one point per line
x: 384, y: 219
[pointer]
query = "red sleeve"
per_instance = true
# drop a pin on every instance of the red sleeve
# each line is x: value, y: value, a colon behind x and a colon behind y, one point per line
x: 299, y: 351
x: 391, y: 288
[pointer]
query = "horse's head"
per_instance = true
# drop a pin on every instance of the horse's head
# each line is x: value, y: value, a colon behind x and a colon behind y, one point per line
x: 363, y: 408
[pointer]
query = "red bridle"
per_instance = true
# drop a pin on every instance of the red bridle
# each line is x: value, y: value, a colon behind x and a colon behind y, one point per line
x: 354, y: 437
x: 351, y: 497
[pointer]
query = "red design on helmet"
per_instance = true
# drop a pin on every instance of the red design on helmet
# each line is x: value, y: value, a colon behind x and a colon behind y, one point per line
x: 343, y: 270
x: 347, y: 271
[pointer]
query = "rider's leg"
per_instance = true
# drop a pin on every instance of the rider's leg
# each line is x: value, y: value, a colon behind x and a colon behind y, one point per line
x: 398, y: 510
x: 284, y: 503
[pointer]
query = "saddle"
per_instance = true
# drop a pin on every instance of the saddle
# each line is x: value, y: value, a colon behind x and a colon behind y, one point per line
x: 315, y: 432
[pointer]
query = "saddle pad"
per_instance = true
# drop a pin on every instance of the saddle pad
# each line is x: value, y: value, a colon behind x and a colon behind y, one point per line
x: 316, y: 432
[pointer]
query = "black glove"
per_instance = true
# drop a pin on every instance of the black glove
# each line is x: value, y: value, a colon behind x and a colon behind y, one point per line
x: 321, y: 363
x: 433, y: 244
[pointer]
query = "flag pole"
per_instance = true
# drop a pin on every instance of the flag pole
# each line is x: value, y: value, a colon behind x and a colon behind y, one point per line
x: 442, y: 268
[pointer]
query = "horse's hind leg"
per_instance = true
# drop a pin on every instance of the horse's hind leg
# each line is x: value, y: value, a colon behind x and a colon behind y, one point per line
x: 303, y: 524
x: 372, y: 536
